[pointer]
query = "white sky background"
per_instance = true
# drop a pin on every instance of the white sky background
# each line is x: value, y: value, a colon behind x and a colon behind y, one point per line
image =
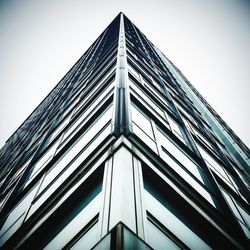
x: 209, y: 41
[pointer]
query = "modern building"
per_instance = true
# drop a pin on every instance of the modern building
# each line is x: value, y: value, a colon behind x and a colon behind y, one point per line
x: 124, y: 153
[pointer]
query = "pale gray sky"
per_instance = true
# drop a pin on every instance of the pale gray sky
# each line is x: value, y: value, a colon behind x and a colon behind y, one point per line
x: 209, y: 41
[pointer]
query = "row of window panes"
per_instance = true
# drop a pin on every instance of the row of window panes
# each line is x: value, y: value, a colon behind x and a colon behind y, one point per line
x: 95, y: 91
x: 77, y: 124
x: 242, y: 216
x: 186, y: 164
x: 67, y: 136
x: 151, y: 91
x: 175, y: 128
x: 218, y: 168
x: 69, y: 162
x: 183, y: 165
x: 161, y: 210
x: 151, y: 105
x: 17, y: 215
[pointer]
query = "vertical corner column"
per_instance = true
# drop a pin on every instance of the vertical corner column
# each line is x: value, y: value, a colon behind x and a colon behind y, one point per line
x: 122, y: 199
x: 121, y: 121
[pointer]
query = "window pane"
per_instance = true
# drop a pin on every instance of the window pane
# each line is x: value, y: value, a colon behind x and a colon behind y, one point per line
x: 245, y: 229
x: 16, y: 217
x: 175, y: 129
x: 82, y: 207
x: 187, y: 177
x: 60, y: 175
x: 157, y: 239
x: 59, y: 128
x: 180, y: 156
x: 144, y: 137
x: 142, y: 121
x: 88, y: 240
x: 42, y: 162
x: 11, y: 230
x: 173, y: 223
x: 101, y: 120
x: 231, y: 205
x: 76, y: 225
x: 215, y: 166
x: 131, y: 241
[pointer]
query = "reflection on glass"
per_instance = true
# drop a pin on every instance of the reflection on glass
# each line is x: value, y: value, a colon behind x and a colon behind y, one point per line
x: 84, y: 206
x: 78, y: 124
x: 145, y: 99
x: 88, y: 240
x: 16, y: 216
x: 11, y: 230
x: 173, y: 223
x: 43, y: 161
x: 187, y: 177
x: 144, y: 137
x: 175, y: 129
x: 59, y: 175
x: 157, y: 239
x: 131, y: 241
x: 142, y: 121
x: 239, y: 212
x: 213, y: 164
x: 179, y: 155
x: 133, y: 72
x: 245, y: 229
x: 59, y: 128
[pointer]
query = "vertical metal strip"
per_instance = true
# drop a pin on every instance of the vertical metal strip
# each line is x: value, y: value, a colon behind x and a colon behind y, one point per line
x: 121, y: 123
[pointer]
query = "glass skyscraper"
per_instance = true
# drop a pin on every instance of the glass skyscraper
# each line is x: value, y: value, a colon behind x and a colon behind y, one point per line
x: 124, y: 153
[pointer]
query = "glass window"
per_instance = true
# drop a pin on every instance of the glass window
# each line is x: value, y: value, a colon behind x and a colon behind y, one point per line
x: 156, y: 84
x: 9, y: 232
x: 81, y: 212
x: 16, y: 216
x: 103, y: 119
x: 88, y: 240
x: 42, y: 162
x: 175, y: 129
x: 144, y: 137
x: 59, y: 128
x: 133, y: 72
x: 75, y: 214
x: 142, y: 121
x: 59, y: 174
x: 75, y: 127
x: 131, y: 241
x: 186, y: 176
x: 157, y: 239
x: 202, y: 138
x: 173, y: 224
x: 217, y: 168
x: 149, y: 102
x: 242, y: 216
x: 182, y: 110
x: 177, y: 154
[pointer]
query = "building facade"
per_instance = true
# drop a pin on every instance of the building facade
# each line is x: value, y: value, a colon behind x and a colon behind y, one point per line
x: 124, y: 153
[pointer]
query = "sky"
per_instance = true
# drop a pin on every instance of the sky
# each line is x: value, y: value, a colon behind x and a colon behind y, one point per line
x: 209, y: 41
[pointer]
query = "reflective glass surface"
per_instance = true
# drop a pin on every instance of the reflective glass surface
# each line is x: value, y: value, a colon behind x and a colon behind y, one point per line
x: 187, y: 177
x: 16, y: 216
x: 58, y: 175
x: 88, y: 240
x: 157, y: 239
x: 173, y: 223
x: 179, y: 155
x: 141, y: 121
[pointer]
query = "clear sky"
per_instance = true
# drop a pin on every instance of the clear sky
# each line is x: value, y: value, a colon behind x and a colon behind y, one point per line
x: 209, y: 41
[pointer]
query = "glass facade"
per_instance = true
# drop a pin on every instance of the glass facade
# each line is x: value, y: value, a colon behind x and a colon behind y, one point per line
x: 124, y: 153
